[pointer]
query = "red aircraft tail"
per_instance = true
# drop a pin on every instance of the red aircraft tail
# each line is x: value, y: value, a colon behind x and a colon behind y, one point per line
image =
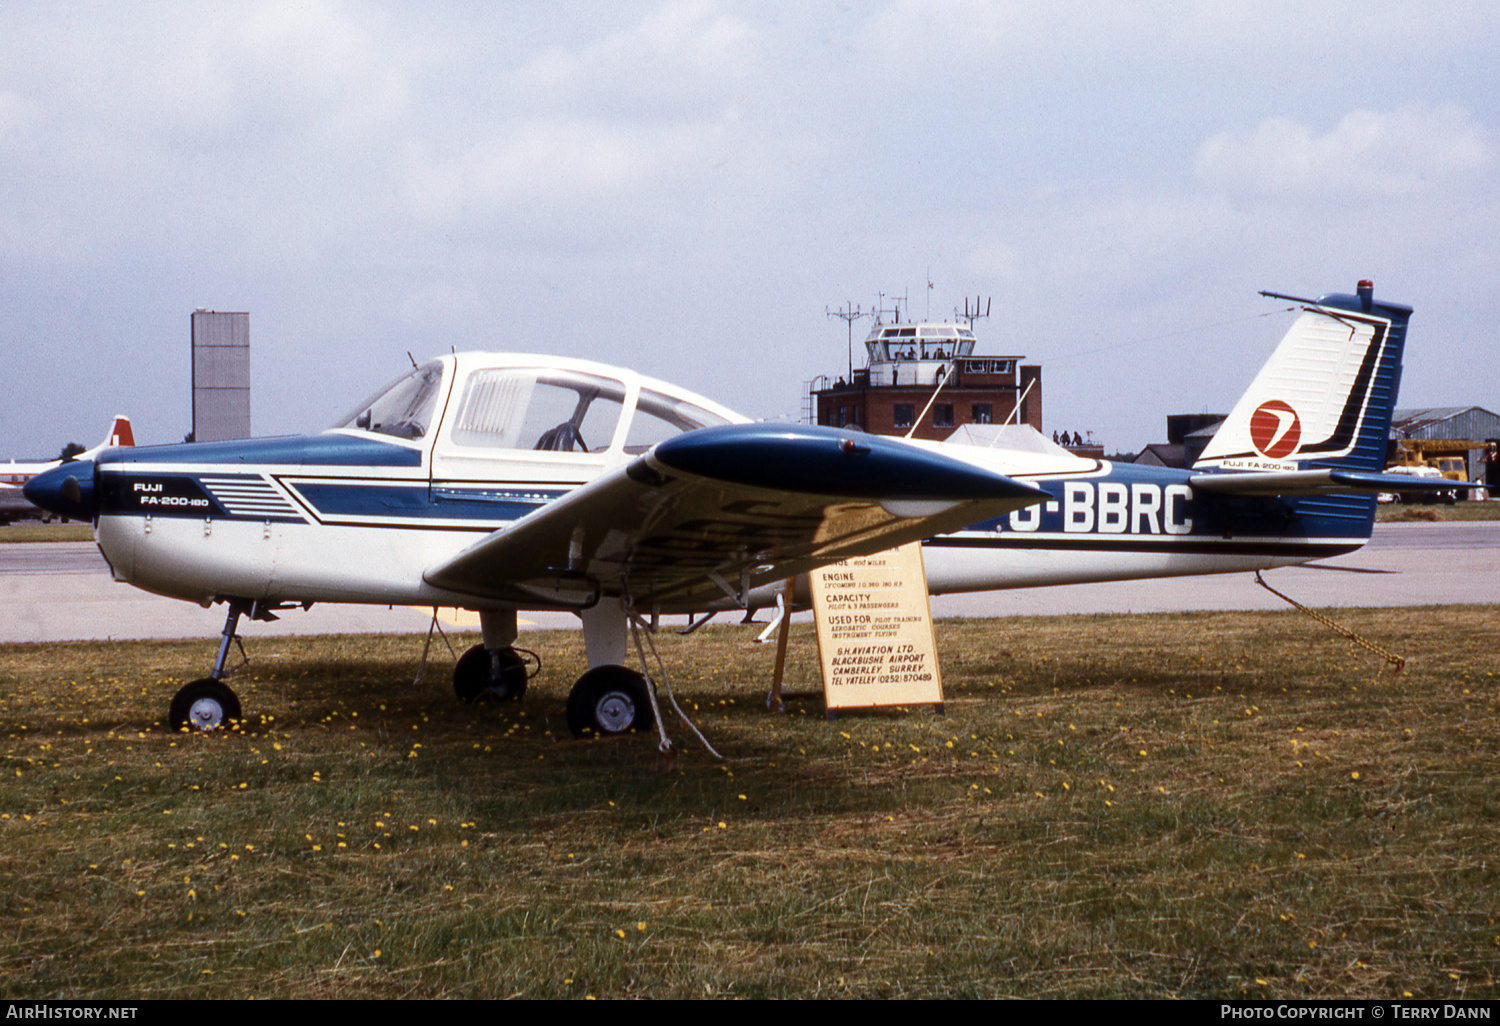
x: 119, y: 433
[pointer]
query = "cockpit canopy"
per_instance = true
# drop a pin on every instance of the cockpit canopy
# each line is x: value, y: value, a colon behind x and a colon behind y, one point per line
x: 546, y: 408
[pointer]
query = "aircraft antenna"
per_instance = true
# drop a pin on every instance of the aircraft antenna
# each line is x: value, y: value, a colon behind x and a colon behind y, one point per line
x: 849, y: 314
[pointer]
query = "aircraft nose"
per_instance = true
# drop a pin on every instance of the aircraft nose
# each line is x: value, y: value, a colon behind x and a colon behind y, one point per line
x: 67, y: 490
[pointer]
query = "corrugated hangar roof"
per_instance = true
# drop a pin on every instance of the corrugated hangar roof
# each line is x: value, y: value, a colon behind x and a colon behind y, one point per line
x: 1478, y: 422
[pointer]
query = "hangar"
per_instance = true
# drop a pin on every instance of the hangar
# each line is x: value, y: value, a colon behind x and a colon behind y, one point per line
x: 1473, y: 423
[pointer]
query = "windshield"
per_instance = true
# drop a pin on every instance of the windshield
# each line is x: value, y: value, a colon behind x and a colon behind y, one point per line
x: 403, y: 408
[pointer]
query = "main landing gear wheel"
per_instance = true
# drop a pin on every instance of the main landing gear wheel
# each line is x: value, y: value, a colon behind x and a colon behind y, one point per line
x: 480, y: 678
x: 205, y: 704
x: 609, y: 700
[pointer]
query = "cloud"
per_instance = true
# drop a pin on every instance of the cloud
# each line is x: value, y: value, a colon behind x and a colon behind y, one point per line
x: 557, y: 161
x: 677, y: 57
x: 1394, y: 153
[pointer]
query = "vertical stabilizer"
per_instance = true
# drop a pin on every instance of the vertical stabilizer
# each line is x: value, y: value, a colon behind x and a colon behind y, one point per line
x: 1325, y: 397
x: 119, y: 433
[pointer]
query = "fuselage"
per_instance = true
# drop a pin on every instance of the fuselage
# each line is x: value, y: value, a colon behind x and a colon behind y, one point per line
x: 470, y: 444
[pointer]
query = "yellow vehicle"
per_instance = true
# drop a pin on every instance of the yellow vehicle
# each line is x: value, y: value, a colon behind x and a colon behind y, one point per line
x: 1421, y: 456
x: 1448, y: 457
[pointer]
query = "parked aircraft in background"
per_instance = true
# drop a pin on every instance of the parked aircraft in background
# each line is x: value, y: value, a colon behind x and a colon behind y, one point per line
x: 13, y: 475
x: 502, y: 482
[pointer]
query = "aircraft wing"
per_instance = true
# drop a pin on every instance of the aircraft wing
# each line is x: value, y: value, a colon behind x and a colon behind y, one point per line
x: 1319, y: 482
x: 712, y: 513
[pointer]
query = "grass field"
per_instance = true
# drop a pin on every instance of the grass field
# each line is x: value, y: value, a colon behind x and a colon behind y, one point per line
x: 1205, y: 805
x: 1459, y: 511
x: 36, y: 531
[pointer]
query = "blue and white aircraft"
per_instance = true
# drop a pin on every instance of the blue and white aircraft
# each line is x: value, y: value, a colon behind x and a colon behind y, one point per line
x: 507, y: 482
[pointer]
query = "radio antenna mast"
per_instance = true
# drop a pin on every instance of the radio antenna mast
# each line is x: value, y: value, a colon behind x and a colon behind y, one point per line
x: 881, y: 310
x: 849, y: 314
x: 976, y: 315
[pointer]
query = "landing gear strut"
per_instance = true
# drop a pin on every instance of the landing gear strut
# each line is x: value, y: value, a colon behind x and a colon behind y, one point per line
x: 209, y: 703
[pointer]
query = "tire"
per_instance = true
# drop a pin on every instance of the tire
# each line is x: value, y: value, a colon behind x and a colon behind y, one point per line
x: 203, y: 705
x: 608, y: 701
x: 474, y: 679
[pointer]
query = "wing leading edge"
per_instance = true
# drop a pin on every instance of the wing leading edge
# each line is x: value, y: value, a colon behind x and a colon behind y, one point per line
x: 712, y: 513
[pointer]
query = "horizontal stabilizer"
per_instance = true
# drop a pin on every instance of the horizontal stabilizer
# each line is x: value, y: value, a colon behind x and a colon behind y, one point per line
x: 1319, y: 482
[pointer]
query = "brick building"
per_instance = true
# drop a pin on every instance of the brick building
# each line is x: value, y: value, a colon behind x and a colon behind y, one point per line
x: 899, y: 387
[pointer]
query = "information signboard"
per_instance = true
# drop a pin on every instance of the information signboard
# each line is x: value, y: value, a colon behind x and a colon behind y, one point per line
x: 875, y: 638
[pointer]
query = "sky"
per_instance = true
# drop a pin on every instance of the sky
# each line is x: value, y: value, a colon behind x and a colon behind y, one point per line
x: 688, y: 188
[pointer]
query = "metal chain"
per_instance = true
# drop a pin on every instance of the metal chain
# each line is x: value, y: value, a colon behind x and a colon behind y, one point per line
x: 1395, y: 660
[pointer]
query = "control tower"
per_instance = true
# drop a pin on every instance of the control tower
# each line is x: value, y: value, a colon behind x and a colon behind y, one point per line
x: 926, y: 376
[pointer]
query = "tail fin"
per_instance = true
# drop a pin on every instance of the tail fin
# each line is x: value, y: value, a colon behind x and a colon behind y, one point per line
x: 119, y: 432
x: 1325, y: 397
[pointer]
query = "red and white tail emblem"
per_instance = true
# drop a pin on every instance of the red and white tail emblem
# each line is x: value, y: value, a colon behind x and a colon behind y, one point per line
x: 120, y: 433
x: 1275, y: 429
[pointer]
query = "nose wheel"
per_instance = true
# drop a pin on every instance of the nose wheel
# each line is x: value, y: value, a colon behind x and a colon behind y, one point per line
x: 209, y: 704
x: 609, y: 700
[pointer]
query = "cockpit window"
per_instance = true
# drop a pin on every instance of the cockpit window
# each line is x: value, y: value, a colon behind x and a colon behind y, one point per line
x: 538, y: 408
x: 659, y: 416
x: 403, y: 408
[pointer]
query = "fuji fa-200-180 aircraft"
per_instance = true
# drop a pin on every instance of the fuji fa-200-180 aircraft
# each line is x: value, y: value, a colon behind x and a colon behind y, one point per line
x: 506, y: 482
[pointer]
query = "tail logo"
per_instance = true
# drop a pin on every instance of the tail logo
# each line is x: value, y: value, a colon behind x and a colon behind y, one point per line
x: 1275, y: 429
